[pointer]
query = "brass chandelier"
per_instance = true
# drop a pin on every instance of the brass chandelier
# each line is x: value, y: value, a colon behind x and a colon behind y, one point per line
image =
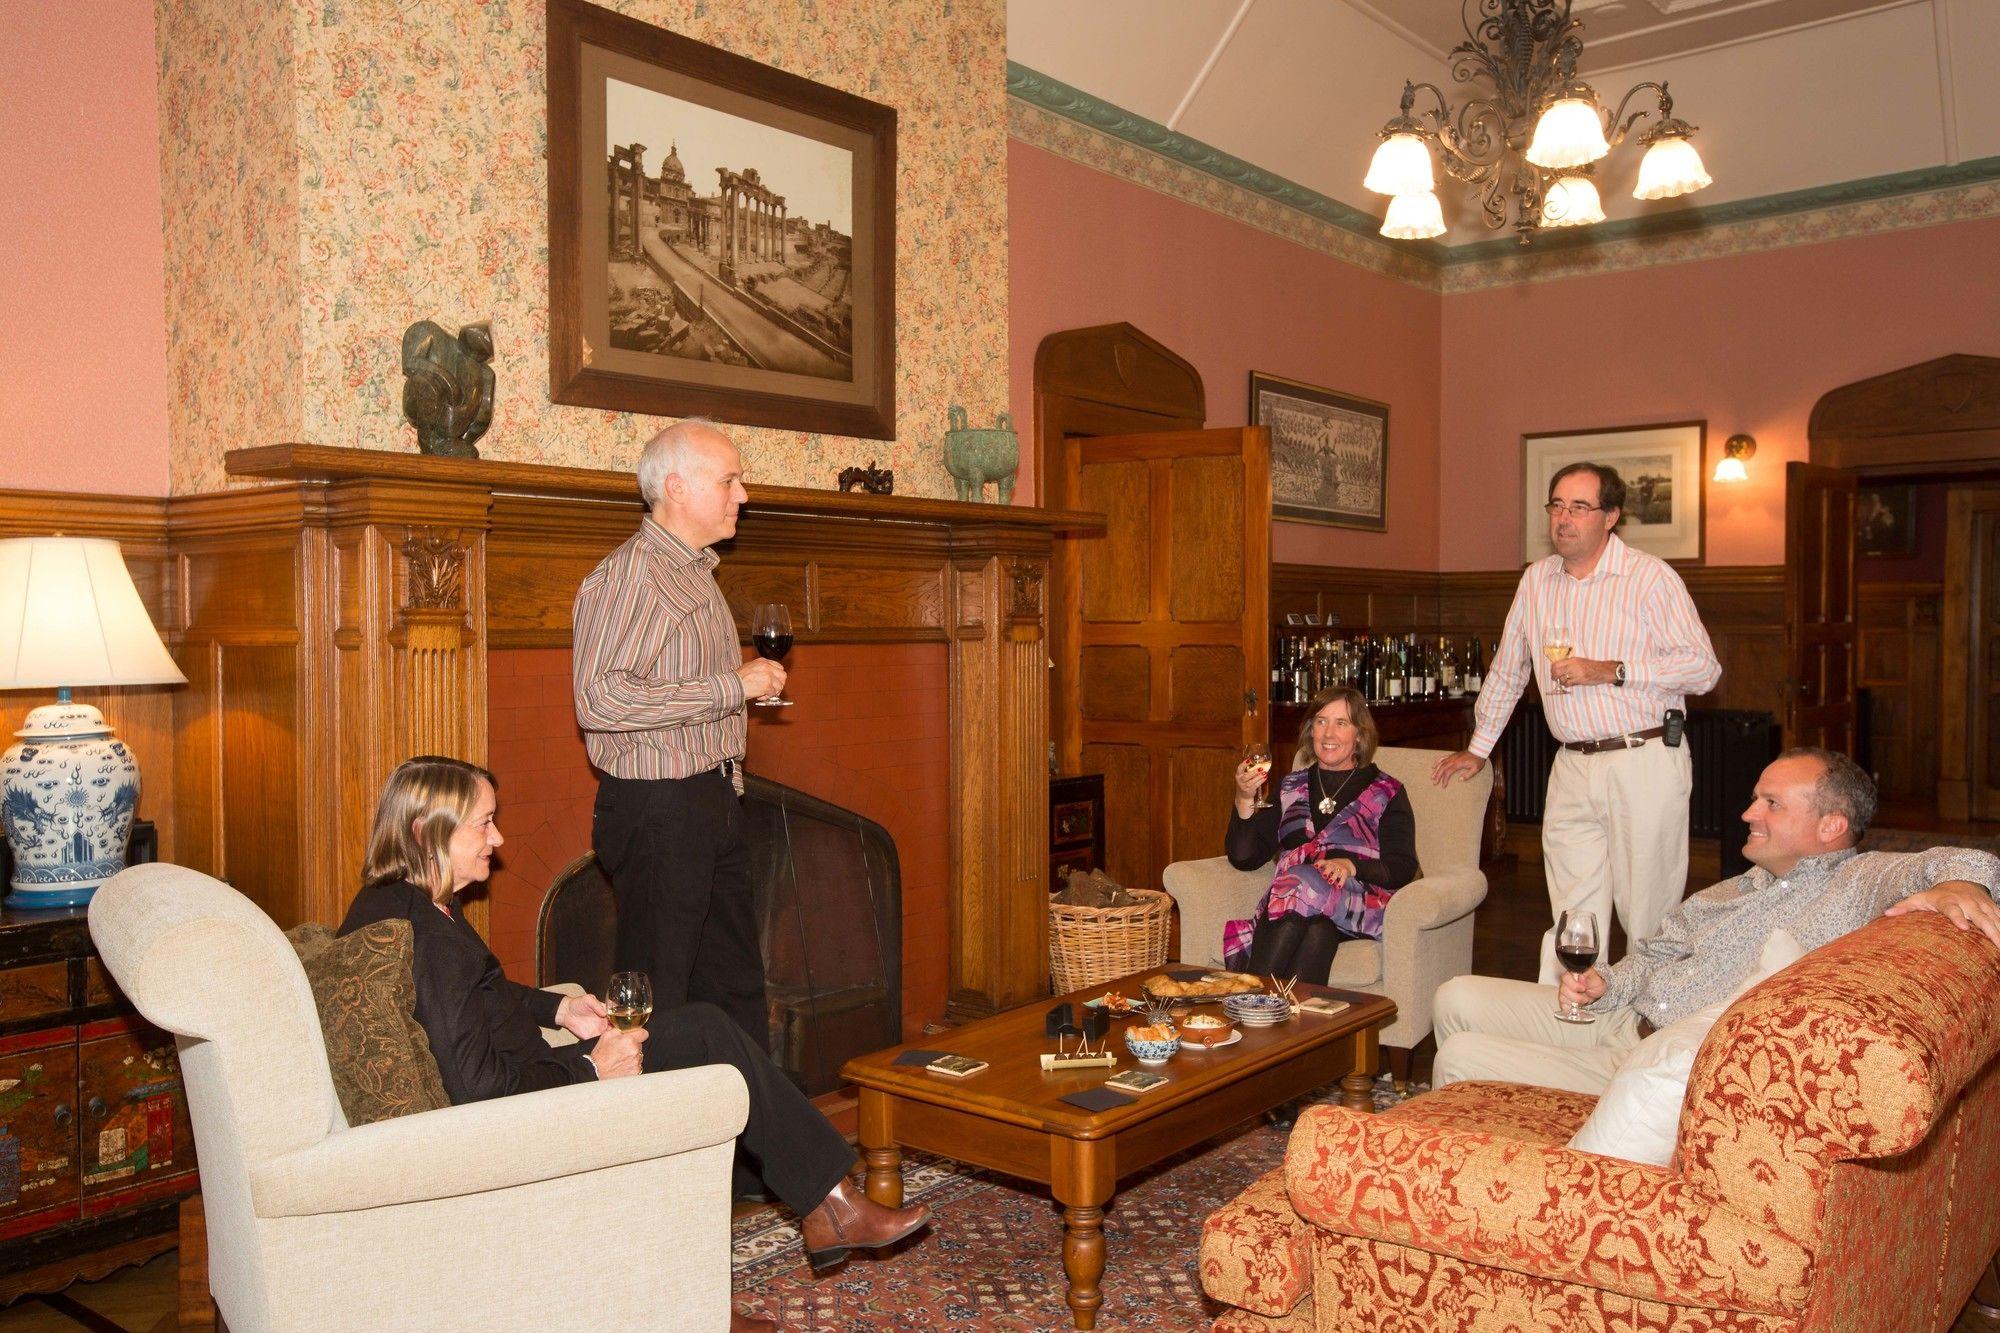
x: 1529, y: 147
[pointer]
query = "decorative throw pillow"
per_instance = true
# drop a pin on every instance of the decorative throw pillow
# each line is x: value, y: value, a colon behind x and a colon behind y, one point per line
x: 1638, y: 1118
x: 381, y: 1061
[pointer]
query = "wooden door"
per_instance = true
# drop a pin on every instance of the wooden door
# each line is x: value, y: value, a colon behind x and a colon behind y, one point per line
x: 1819, y: 607
x: 1969, y: 758
x: 1168, y: 641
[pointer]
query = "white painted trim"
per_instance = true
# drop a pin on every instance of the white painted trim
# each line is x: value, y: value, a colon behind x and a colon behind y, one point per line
x: 1611, y: 43
x: 1368, y: 10
x: 1208, y: 65
x: 1947, y: 97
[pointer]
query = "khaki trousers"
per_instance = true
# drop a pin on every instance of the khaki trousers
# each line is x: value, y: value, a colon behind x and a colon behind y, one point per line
x: 1615, y: 833
x: 1507, y: 1031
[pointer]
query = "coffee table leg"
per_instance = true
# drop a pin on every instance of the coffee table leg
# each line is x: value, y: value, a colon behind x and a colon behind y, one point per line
x: 1083, y: 1260
x: 885, y: 1176
x: 1357, y: 1092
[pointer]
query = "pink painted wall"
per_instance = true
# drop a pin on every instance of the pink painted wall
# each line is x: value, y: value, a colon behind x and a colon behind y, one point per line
x: 1749, y: 343
x: 83, y: 339
x: 1087, y: 248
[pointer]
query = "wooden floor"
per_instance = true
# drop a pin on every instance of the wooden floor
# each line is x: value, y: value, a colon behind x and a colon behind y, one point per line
x: 1506, y: 943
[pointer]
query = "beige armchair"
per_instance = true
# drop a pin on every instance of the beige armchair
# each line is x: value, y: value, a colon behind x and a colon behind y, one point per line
x: 597, y: 1205
x: 1427, y: 929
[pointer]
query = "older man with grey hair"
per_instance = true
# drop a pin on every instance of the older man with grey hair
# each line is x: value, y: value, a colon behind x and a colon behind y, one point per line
x: 1810, y: 808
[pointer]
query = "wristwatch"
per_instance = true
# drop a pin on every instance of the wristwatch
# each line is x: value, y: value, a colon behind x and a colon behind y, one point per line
x: 1618, y: 676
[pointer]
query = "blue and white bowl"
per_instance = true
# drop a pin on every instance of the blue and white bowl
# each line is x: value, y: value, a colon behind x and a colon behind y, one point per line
x: 1152, y: 1052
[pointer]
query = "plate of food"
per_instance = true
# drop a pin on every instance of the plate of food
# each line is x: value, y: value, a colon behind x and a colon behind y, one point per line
x: 1196, y: 990
x: 1114, y: 1003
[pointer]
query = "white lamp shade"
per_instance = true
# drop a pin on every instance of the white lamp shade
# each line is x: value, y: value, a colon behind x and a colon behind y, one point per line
x: 1402, y: 165
x: 1670, y: 167
x: 1572, y: 202
x: 1569, y: 134
x: 69, y: 615
x: 1414, y: 217
x: 1730, y: 469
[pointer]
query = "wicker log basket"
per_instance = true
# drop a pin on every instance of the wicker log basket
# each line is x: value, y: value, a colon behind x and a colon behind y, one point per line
x: 1089, y: 946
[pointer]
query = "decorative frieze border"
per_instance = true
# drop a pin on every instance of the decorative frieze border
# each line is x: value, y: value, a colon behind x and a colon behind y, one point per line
x: 1051, y: 115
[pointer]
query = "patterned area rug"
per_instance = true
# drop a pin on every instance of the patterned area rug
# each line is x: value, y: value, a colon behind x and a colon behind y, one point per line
x: 992, y: 1257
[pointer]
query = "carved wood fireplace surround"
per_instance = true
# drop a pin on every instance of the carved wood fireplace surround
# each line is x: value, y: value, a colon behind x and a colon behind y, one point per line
x: 365, y: 606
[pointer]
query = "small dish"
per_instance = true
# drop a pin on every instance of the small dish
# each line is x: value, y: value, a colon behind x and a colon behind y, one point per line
x: 1206, y: 1030
x: 1151, y: 1048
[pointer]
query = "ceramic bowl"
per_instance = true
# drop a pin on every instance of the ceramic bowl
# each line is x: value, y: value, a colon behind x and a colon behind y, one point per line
x: 1152, y: 1052
x: 1205, y: 1029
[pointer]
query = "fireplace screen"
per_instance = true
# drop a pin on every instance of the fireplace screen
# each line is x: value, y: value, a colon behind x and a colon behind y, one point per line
x: 829, y: 897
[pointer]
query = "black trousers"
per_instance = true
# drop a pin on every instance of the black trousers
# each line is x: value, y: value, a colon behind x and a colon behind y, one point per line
x: 1300, y: 948
x: 787, y: 1143
x: 679, y: 867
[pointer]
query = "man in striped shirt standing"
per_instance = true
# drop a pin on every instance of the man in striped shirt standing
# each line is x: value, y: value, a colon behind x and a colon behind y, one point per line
x: 660, y: 685
x: 1615, y: 821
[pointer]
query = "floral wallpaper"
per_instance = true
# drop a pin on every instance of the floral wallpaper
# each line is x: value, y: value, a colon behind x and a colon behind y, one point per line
x: 398, y: 152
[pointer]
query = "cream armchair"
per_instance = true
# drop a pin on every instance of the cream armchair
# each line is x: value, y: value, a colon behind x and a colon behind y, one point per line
x: 1427, y: 929
x: 597, y: 1205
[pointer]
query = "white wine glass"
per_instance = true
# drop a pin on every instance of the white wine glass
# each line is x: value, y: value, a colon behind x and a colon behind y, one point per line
x: 1557, y: 645
x: 628, y: 1000
x: 1258, y: 755
x: 1576, y: 950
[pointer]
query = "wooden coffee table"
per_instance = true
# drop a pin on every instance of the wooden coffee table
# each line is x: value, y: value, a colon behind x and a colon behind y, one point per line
x: 1008, y: 1117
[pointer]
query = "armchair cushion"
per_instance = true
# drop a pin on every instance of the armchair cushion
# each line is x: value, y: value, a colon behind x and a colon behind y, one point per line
x: 379, y: 1056
x: 1256, y: 1253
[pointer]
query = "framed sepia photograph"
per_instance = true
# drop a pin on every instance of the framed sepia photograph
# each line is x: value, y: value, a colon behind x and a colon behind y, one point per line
x: 1885, y: 520
x: 722, y: 234
x: 1661, y: 468
x: 1329, y: 453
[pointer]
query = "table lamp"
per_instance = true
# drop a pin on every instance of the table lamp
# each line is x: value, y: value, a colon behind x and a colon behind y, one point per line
x: 69, y: 616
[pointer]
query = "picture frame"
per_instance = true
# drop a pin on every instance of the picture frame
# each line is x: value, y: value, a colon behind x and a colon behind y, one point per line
x: 1885, y: 521
x: 1661, y: 465
x: 1329, y: 453
x: 770, y: 302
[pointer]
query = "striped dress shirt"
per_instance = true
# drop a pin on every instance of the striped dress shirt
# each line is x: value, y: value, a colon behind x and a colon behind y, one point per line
x: 1631, y: 608
x: 654, y: 668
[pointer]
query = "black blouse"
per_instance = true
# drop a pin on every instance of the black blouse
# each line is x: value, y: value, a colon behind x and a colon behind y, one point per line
x: 1252, y: 842
x: 484, y: 1029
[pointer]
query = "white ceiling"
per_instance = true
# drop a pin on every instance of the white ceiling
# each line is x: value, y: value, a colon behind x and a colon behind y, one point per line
x: 1787, y: 94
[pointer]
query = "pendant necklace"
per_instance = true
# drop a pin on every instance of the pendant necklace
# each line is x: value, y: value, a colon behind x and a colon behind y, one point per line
x: 1328, y: 804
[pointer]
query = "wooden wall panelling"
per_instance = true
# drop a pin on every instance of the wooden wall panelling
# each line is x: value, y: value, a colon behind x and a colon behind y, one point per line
x: 1900, y: 667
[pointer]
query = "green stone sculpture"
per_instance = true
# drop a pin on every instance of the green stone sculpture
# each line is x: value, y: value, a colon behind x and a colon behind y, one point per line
x: 448, y: 386
x: 975, y: 456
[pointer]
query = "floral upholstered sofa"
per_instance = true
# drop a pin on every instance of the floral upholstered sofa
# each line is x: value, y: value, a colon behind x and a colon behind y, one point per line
x: 1837, y: 1168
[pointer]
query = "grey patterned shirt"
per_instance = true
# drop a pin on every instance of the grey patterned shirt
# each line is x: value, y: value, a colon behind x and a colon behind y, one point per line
x: 1711, y: 942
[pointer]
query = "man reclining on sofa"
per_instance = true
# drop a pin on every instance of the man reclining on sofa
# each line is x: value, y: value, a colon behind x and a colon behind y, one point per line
x: 1810, y: 808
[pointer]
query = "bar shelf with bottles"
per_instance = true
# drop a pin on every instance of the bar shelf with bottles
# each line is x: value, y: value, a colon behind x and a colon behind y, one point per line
x: 1420, y: 687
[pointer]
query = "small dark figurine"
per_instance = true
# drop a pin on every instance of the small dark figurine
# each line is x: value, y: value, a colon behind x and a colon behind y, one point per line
x: 872, y: 479
x: 448, y: 386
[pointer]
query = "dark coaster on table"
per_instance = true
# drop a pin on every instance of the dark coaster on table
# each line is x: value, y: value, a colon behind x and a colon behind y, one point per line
x: 916, y: 1057
x: 1186, y: 973
x: 1097, y: 1099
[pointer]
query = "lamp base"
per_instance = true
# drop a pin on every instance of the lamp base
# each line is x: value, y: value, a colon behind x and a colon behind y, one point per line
x: 71, y: 790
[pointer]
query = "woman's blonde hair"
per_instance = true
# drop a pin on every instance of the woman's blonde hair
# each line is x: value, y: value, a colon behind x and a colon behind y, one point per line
x: 1357, y: 711
x: 423, y: 803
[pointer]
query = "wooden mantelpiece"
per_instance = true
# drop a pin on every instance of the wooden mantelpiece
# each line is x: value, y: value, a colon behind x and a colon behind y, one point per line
x: 342, y: 619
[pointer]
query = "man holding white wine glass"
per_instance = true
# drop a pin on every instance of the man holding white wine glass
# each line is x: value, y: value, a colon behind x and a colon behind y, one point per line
x: 1612, y: 638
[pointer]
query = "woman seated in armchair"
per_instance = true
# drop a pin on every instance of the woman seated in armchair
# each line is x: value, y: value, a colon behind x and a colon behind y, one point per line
x: 434, y: 836
x: 1344, y: 839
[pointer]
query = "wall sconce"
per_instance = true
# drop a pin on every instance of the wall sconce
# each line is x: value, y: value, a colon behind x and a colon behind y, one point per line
x: 1738, y: 450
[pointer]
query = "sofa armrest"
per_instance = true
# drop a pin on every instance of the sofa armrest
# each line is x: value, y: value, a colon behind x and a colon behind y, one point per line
x: 504, y: 1142
x: 1570, y: 1216
x: 1434, y: 900
x: 1210, y: 894
x: 561, y: 1036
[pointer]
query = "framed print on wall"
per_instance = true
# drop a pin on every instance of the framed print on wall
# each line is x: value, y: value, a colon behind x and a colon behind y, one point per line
x: 722, y: 234
x: 1661, y: 468
x: 1329, y: 453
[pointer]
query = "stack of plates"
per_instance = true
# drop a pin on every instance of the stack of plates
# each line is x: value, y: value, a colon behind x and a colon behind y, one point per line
x: 1257, y: 1011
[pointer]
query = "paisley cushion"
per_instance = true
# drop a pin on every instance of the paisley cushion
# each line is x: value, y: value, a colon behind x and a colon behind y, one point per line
x: 381, y: 1061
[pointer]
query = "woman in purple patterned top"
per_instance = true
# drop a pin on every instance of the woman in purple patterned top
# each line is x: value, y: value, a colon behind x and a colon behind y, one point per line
x: 1344, y: 838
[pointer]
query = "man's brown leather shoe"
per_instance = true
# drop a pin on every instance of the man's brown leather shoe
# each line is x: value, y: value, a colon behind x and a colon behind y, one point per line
x: 849, y: 1220
x: 743, y: 1323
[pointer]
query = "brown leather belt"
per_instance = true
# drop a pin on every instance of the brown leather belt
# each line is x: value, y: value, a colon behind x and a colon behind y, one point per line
x: 1631, y: 740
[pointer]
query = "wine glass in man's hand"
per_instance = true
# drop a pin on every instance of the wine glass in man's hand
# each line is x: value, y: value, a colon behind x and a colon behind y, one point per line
x: 771, y: 635
x: 1576, y: 950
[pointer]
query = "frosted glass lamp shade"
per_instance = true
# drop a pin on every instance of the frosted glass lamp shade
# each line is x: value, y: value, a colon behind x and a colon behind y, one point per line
x: 1671, y: 167
x: 1730, y: 469
x: 1414, y: 217
x: 1569, y: 134
x: 1572, y: 202
x: 1402, y: 165
x: 69, y: 615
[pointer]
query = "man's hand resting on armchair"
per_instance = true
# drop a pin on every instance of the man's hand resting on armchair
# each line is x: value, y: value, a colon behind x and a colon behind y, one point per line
x: 1961, y: 902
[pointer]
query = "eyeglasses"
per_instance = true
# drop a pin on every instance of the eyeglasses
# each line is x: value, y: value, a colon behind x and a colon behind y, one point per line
x: 1576, y: 508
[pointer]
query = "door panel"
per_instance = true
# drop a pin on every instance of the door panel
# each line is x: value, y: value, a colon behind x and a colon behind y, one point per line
x: 1116, y: 573
x: 1208, y: 518
x: 1127, y: 771
x: 1207, y: 683
x: 1819, y: 606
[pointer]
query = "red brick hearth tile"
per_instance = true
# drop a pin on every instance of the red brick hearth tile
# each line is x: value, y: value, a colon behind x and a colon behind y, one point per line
x: 513, y: 691
x: 884, y: 703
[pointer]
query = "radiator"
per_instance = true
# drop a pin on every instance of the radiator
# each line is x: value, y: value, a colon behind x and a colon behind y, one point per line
x: 1729, y: 747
